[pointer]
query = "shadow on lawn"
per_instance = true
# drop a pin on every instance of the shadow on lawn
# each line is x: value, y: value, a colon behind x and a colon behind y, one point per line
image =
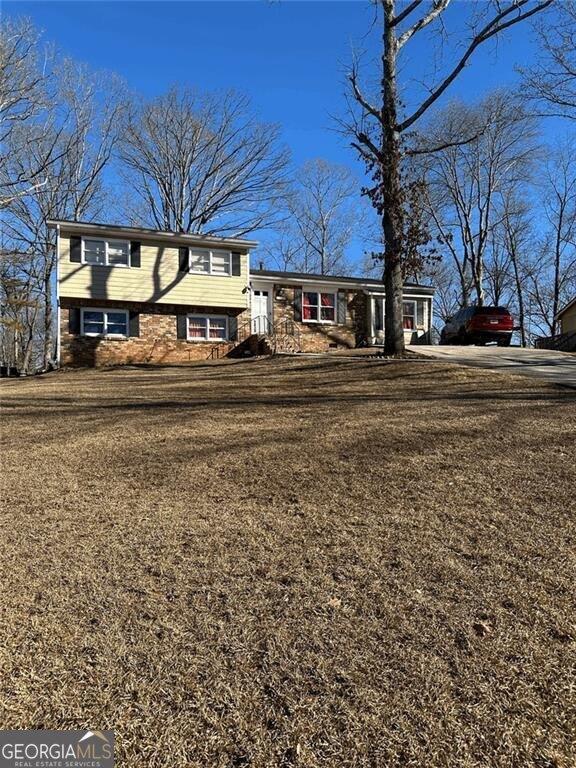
x: 225, y: 403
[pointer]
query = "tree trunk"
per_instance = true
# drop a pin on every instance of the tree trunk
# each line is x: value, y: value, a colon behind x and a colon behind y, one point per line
x: 520, y: 294
x: 392, y: 215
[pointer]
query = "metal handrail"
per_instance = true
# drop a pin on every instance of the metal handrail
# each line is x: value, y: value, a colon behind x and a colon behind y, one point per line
x: 284, y: 329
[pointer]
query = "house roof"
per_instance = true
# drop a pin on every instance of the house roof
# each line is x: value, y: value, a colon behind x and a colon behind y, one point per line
x: 155, y: 234
x: 566, y: 307
x: 356, y: 282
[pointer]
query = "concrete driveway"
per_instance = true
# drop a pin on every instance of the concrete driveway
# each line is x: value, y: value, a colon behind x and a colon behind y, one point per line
x: 555, y: 367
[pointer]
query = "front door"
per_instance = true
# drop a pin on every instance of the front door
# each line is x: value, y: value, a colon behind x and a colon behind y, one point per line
x: 260, y: 312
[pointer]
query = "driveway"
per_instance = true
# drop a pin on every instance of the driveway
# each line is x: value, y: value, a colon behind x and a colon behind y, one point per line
x: 555, y: 367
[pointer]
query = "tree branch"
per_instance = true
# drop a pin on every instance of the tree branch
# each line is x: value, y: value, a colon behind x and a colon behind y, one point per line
x: 440, y: 147
x: 358, y: 95
x: 437, y: 8
x: 405, y: 13
x: 496, y: 25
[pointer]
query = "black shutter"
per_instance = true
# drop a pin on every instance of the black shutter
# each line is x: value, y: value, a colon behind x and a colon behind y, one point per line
x: 298, y: 304
x: 134, y: 253
x: 236, y: 264
x: 233, y: 328
x: 342, y: 306
x: 182, y: 326
x: 183, y: 260
x: 134, y: 324
x: 74, y: 320
x: 76, y: 249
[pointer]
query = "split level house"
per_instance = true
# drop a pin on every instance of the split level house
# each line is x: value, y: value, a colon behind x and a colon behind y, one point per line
x: 134, y: 295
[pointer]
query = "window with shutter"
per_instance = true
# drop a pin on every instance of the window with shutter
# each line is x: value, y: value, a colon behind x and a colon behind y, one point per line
x: 211, y: 262
x: 103, y: 322
x: 208, y: 328
x: 105, y: 253
x: 318, y: 307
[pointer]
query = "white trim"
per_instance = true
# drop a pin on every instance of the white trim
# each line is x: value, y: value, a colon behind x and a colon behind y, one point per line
x: 406, y: 300
x: 210, y: 252
x: 319, y: 321
x: 565, y: 308
x: 112, y: 231
x: 107, y: 241
x: 249, y: 291
x: 377, y: 336
x: 367, y: 286
x: 58, y: 310
x: 105, y: 311
x: 207, y: 336
x: 269, y: 290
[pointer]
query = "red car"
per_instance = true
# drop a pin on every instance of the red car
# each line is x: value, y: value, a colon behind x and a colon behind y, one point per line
x: 479, y: 325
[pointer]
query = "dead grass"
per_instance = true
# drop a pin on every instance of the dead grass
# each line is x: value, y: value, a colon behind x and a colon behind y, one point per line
x: 292, y: 563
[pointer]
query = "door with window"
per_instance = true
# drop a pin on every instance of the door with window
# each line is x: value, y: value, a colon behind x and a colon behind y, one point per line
x: 260, y: 311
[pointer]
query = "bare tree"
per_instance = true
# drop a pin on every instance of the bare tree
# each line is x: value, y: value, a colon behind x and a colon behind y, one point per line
x: 552, y: 281
x: 20, y: 310
x: 379, y: 131
x: 202, y: 163
x: 24, y: 80
x: 447, y: 293
x: 467, y: 182
x: 551, y: 81
x: 75, y: 143
x: 323, y: 213
x: 283, y: 250
x: 517, y: 238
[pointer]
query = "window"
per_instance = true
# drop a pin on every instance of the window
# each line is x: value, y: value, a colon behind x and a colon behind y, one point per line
x: 318, y: 307
x: 220, y: 263
x: 413, y: 314
x: 200, y: 261
x: 207, y: 328
x: 409, y: 315
x: 112, y: 253
x: 101, y: 322
x: 211, y: 262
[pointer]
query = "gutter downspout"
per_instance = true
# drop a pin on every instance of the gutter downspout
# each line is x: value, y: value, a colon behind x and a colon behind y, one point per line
x: 58, y: 295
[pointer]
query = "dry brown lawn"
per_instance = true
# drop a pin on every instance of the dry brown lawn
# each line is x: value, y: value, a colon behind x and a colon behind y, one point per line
x: 289, y: 562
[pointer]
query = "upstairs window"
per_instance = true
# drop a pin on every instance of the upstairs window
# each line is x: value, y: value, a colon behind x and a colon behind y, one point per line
x: 98, y: 322
x: 211, y: 262
x: 106, y: 253
x: 318, y: 307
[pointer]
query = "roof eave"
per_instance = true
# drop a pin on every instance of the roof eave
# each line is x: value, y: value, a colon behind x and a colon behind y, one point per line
x: 566, y: 308
x: 153, y: 234
x: 365, y: 285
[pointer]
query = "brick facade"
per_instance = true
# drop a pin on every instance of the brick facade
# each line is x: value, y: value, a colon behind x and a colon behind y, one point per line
x: 156, y: 343
x: 321, y: 337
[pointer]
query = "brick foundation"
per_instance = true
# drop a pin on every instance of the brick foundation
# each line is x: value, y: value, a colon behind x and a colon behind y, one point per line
x: 156, y: 343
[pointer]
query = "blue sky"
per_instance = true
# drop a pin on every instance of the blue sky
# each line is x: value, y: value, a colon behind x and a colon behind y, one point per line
x: 289, y: 57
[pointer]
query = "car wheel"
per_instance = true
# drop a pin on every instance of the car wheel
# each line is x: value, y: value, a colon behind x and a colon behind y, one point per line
x: 505, y: 342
